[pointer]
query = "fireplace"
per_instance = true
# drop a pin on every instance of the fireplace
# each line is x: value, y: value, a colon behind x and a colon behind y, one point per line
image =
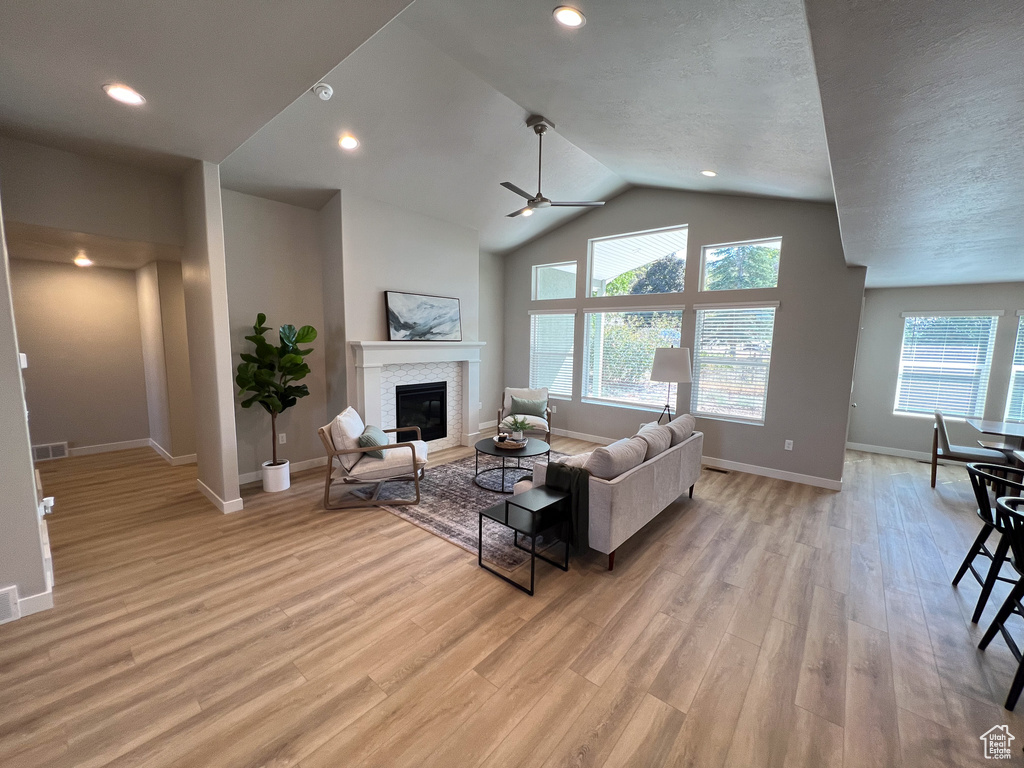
x: 424, y: 406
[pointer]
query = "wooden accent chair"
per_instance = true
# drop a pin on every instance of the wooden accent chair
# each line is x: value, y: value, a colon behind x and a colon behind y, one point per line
x: 1010, y: 511
x: 349, y: 464
x: 941, y: 449
x: 538, y: 425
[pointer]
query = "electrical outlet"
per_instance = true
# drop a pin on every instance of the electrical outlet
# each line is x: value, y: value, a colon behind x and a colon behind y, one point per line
x: 789, y: 445
x: 282, y: 439
x: 554, y: 408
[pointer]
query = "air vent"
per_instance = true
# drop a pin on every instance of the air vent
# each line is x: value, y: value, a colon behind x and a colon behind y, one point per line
x: 48, y: 451
x: 9, y: 610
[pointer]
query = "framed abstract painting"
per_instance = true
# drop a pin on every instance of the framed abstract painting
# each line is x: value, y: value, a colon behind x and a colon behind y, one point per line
x: 420, y: 317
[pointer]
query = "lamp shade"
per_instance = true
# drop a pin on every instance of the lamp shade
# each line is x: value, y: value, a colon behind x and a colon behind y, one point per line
x: 671, y: 364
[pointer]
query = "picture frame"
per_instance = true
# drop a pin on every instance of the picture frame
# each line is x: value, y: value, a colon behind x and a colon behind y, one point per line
x: 422, y: 317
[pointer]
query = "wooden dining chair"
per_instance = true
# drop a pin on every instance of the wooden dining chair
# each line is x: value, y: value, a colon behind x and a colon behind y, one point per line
x: 941, y: 449
x: 1009, y: 510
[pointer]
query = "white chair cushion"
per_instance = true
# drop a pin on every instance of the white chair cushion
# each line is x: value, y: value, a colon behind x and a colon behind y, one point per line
x: 535, y: 422
x: 523, y: 393
x: 967, y: 453
x: 396, y: 462
x: 345, y: 431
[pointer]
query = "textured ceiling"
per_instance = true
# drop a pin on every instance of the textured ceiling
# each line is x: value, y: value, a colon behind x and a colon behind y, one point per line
x: 212, y: 72
x: 924, y: 111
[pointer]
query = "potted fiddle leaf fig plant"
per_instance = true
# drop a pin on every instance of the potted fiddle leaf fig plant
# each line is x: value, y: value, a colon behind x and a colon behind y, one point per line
x: 267, y: 376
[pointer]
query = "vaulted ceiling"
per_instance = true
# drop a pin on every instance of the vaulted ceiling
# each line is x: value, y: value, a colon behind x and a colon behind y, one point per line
x: 913, y: 109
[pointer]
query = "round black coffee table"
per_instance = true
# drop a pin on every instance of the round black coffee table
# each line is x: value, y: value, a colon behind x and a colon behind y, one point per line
x: 510, y: 474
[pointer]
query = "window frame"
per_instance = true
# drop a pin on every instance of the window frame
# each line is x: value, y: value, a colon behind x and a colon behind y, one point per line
x: 584, y: 368
x: 587, y: 293
x: 695, y: 383
x: 572, y: 375
x: 575, y: 286
x: 1017, y: 346
x: 702, y: 275
x: 994, y: 314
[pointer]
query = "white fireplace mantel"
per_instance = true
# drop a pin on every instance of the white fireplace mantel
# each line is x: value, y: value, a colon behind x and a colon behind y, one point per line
x: 371, y: 356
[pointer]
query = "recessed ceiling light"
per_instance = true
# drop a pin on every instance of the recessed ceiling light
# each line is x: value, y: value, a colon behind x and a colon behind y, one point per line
x: 82, y: 260
x: 348, y: 142
x: 124, y: 94
x: 708, y: 173
x: 527, y: 212
x: 568, y: 16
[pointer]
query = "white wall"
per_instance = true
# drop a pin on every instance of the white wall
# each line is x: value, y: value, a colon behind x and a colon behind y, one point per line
x: 21, y: 557
x: 329, y: 231
x: 81, y: 331
x: 275, y: 267
x: 391, y: 249
x: 52, y: 188
x: 873, y: 422
x: 815, y: 328
x: 204, y: 279
x: 492, y: 331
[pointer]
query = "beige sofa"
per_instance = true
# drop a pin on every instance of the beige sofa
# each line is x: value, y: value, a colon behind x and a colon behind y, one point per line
x: 634, y: 479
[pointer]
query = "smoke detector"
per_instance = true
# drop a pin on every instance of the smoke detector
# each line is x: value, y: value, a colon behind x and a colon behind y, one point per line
x: 323, y: 91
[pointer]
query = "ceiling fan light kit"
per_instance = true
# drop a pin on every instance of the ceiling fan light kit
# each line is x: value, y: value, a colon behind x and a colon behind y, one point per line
x: 540, y: 125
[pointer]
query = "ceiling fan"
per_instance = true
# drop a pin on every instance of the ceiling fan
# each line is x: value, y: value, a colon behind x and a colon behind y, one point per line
x: 540, y: 126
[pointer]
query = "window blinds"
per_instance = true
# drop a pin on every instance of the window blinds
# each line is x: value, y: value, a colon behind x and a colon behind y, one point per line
x: 945, y: 364
x: 1015, y: 397
x: 551, y: 351
x: 620, y: 353
x: 731, y: 358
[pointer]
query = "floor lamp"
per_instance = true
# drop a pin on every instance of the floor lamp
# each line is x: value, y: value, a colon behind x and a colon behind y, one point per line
x: 671, y: 365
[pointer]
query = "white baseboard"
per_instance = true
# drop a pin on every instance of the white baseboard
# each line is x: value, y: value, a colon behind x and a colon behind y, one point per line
x: 174, y: 461
x: 488, y: 424
x: 899, y: 452
x: 584, y: 436
x: 297, y: 466
x: 124, y: 445
x: 35, y: 603
x: 235, y: 505
x: 776, y: 474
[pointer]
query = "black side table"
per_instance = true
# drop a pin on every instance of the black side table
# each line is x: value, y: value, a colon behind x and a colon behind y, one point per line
x: 529, y: 514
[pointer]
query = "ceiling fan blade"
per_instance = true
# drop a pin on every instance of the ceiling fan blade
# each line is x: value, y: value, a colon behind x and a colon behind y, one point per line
x: 520, y: 212
x: 594, y: 204
x: 513, y: 188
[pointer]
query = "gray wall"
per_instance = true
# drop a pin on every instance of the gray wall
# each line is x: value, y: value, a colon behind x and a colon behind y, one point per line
x: 80, y: 329
x: 53, y: 188
x: 21, y: 556
x: 815, y: 328
x: 331, y: 239
x: 872, y: 422
x: 204, y: 279
x: 492, y: 331
x: 274, y: 267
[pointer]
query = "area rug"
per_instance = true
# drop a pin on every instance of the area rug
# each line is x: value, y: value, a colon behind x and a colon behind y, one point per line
x: 449, y: 507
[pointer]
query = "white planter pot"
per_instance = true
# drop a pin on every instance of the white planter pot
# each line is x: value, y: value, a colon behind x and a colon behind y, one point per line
x: 517, y: 436
x: 276, y: 478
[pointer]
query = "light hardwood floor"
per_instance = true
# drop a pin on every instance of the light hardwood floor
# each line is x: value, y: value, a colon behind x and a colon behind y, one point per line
x: 763, y: 623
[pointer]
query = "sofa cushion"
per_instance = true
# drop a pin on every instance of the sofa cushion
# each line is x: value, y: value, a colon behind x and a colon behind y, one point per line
x: 579, y: 460
x: 681, y: 427
x: 610, y: 461
x: 345, y: 431
x: 658, y: 439
x: 523, y: 407
x: 372, y: 437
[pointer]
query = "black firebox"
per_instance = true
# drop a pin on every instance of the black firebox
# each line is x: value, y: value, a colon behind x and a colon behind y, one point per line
x: 424, y: 406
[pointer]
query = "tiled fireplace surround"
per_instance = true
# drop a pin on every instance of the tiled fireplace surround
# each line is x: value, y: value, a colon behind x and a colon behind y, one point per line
x: 380, y: 366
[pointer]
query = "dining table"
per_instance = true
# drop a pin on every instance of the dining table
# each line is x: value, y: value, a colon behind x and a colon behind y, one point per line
x: 1009, y: 429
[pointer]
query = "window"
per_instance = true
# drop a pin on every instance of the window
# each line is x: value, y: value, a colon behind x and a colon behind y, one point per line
x: 1015, y: 397
x: 732, y: 266
x: 551, y: 349
x: 945, y: 363
x: 619, y: 353
x: 649, y: 262
x: 731, y: 357
x: 554, y: 281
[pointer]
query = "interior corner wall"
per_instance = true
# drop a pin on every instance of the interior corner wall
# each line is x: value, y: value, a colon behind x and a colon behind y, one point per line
x: 329, y: 231
x: 154, y: 364
x: 204, y: 279
x: 873, y: 424
x: 80, y: 328
x: 391, y: 249
x: 21, y: 553
x: 54, y: 188
x: 275, y: 267
x: 492, y: 331
x: 815, y: 336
